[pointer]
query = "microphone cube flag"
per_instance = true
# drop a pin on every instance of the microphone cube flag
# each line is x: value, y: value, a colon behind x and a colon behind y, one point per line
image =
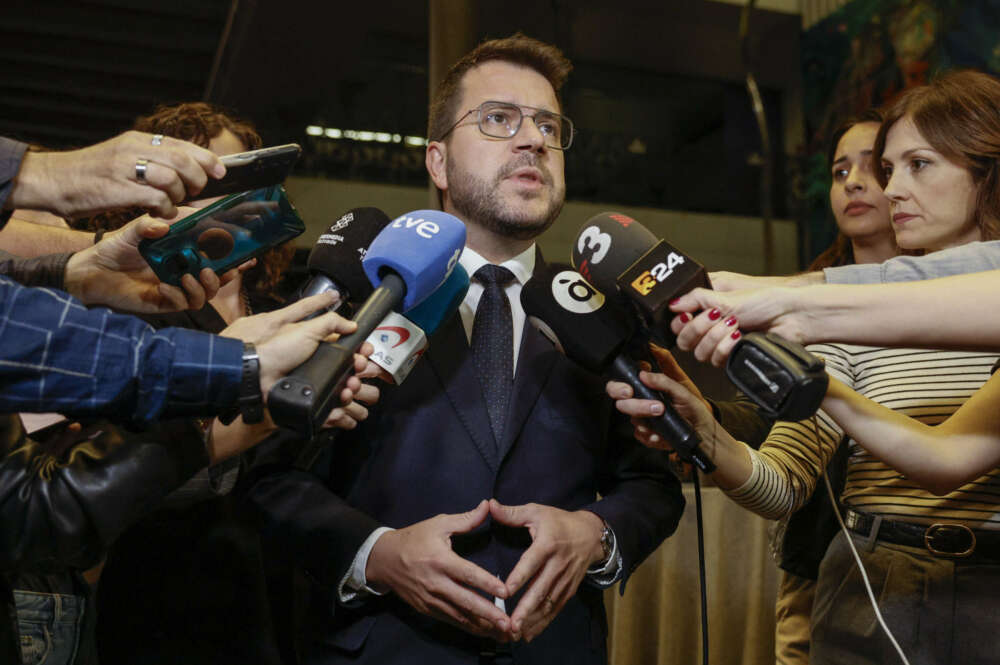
x: 422, y: 247
x: 659, y: 276
x: 588, y: 328
x: 398, y: 344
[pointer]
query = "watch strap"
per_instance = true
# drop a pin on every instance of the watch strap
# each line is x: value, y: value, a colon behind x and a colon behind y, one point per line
x: 250, y: 401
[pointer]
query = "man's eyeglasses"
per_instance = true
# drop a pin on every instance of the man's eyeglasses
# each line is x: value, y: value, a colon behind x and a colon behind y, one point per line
x: 502, y: 120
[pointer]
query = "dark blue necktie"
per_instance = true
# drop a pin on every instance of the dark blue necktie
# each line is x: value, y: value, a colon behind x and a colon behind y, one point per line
x: 493, y: 344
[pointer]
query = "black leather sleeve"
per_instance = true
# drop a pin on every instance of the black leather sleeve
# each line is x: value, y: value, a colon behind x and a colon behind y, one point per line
x: 63, y: 502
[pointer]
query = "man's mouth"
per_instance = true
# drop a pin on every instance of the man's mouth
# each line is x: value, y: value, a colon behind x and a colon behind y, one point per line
x: 528, y: 175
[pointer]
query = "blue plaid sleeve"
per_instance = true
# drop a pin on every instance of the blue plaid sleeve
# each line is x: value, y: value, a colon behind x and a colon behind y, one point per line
x: 57, y: 355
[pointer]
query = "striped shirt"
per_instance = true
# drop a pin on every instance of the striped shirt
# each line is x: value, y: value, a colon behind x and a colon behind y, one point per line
x: 926, y: 385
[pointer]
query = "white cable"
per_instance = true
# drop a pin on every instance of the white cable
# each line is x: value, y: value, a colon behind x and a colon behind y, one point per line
x: 857, y: 559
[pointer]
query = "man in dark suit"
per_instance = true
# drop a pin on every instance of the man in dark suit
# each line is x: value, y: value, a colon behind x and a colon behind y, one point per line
x: 494, y: 421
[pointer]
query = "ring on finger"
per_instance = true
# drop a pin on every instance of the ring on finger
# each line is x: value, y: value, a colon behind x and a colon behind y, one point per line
x: 157, y: 139
x: 140, y: 169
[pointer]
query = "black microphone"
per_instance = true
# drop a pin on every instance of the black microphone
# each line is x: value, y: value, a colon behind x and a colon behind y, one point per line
x: 408, y: 260
x: 335, y: 260
x: 593, y: 331
x: 618, y: 254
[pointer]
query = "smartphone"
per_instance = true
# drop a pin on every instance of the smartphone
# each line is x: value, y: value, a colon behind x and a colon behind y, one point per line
x: 252, y: 170
x: 224, y: 234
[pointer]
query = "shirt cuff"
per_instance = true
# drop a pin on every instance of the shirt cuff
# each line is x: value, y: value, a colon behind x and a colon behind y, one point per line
x: 605, y: 574
x: 354, y: 585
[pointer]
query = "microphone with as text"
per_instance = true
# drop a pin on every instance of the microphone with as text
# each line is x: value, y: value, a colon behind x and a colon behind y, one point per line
x: 400, y: 341
x: 593, y: 331
x: 408, y: 260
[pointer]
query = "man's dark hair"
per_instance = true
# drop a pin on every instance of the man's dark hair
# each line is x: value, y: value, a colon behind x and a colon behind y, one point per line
x: 518, y: 49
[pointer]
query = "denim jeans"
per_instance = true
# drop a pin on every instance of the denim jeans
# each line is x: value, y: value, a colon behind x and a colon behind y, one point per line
x: 49, y: 624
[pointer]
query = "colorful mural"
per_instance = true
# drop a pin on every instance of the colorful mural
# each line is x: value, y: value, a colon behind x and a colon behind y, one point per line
x: 862, y: 56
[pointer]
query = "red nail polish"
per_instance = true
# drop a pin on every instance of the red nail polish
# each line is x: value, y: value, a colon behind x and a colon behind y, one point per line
x: 685, y: 317
x: 736, y: 334
x: 731, y: 321
x: 714, y: 314
x: 674, y: 301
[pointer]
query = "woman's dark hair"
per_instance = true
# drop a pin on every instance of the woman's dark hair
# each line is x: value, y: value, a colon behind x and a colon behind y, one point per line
x: 199, y: 123
x: 841, y: 251
x: 958, y: 115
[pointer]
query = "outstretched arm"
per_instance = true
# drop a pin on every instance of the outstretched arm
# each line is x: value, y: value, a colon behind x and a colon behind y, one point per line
x: 940, y: 458
x: 965, y: 315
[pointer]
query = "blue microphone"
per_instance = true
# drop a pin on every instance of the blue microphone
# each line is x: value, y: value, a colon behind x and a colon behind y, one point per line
x: 442, y: 304
x: 405, y: 251
x: 406, y: 262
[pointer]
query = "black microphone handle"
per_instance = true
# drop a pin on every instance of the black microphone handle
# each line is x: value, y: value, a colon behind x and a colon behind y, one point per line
x: 302, y: 400
x: 670, y: 425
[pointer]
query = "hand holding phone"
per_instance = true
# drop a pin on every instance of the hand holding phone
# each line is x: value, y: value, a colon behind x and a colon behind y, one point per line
x: 224, y: 234
x: 253, y: 170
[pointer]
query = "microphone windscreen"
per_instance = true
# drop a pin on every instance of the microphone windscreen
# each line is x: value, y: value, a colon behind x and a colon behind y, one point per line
x: 443, y: 303
x: 607, y: 245
x: 589, y: 328
x: 338, y: 252
x: 422, y: 247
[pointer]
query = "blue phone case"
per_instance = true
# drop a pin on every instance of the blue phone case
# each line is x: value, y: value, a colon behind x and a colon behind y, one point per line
x: 224, y: 234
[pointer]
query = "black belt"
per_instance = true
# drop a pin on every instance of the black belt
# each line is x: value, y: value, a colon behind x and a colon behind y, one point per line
x: 951, y: 541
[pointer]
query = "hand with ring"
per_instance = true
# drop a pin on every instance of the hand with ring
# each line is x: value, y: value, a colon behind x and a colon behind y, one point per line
x: 133, y: 169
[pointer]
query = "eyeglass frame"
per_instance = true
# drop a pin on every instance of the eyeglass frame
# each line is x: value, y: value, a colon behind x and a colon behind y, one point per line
x: 520, y: 108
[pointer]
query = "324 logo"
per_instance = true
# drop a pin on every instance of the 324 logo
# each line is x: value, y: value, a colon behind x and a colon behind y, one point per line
x: 648, y: 280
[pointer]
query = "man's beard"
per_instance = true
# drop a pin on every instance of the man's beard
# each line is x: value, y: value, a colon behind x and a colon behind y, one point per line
x: 478, y: 201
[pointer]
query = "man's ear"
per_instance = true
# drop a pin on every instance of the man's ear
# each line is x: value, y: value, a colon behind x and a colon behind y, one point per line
x: 436, y: 160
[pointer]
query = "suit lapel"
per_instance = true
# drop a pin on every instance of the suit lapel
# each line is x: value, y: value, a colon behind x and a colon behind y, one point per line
x: 451, y: 359
x: 533, y: 368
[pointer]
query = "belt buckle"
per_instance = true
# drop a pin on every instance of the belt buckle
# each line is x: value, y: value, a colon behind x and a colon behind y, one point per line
x: 933, y: 528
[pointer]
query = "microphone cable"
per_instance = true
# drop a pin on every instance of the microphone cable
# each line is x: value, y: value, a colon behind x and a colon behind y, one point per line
x: 857, y: 557
x: 701, y: 566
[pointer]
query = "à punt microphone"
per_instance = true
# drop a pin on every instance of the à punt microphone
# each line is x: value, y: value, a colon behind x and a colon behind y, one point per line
x: 593, y: 331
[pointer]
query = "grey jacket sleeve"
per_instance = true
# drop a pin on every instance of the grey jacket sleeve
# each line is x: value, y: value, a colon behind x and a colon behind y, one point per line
x: 972, y: 257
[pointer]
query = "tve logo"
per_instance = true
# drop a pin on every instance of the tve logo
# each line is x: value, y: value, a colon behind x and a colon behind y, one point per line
x: 648, y: 280
x: 424, y: 227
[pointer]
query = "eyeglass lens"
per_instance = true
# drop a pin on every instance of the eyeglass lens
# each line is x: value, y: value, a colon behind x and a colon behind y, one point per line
x: 504, y: 120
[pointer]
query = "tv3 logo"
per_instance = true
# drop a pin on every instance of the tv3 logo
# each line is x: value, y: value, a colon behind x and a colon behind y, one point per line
x: 648, y: 280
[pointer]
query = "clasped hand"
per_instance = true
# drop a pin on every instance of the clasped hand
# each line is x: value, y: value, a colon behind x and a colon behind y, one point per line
x: 419, y: 565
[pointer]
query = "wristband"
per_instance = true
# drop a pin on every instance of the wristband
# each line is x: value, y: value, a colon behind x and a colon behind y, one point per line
x: 251, y: 401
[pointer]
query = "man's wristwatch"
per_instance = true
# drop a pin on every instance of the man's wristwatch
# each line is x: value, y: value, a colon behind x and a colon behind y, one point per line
x: 250, y: 400
x: 607, y: 542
